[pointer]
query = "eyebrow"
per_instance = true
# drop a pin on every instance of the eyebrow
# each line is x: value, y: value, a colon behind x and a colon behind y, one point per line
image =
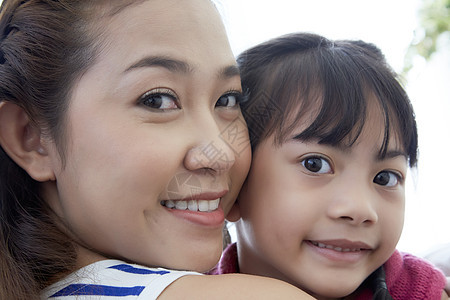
x: 173, y: 65
x: 179, y: 66
x: 388, y: 155
x: 392, y: 154
x: 229, y: 71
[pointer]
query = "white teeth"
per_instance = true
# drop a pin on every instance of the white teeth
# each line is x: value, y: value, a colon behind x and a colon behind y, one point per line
x: 170, y: 204
x: 203, y: 205
x: 181, y: 205
x: 320, y: 245
x: 214, y: 204
x: 192, y: 205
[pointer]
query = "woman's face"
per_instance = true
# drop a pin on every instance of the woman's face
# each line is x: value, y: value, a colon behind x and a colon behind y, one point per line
x: 154, y: 124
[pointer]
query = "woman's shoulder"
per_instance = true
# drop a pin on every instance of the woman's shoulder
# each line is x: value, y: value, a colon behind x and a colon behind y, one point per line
x: 232, y: 286
x: 114, y: 278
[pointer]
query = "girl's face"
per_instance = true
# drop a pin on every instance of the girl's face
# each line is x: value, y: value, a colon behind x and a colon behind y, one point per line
x: 321, y: 217
x: 152, y: 125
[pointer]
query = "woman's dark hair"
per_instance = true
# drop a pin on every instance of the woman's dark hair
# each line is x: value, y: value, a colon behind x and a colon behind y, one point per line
x: 45, y: 46
x: 287, y: 77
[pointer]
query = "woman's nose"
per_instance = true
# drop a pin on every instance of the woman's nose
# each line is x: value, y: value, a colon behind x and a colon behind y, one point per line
x: 215, y: 148
x: 214, y: 155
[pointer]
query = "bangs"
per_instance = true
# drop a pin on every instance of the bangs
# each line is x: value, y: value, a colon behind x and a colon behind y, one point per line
x: 327, y: 89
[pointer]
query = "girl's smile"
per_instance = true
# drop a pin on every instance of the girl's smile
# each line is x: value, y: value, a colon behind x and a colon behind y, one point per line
x: 336, y: 213
x: 340, y: 251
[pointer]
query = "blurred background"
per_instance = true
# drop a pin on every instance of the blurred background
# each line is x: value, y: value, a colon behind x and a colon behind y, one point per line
x: 415, y: 37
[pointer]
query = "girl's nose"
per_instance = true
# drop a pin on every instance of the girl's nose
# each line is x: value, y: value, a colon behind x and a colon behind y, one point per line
x: 354, y: 205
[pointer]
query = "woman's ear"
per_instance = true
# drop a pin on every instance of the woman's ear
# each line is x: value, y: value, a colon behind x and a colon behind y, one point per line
x: 234, y: 214
x: 23, y: 142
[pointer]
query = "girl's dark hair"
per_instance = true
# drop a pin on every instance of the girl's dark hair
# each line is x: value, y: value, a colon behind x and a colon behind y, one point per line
x: 377, y: 282
x: 45, y: 46
x: 287, y: 77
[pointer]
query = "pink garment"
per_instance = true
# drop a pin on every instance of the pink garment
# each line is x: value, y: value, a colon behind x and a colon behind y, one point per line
x: 228, y: 263
x: 410, y: 277
x: 407, y: 277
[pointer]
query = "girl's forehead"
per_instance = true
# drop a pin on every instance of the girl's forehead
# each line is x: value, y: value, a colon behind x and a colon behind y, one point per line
x: 371, y: 124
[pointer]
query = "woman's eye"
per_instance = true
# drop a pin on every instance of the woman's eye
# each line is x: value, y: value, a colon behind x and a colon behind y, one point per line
x: 231, y: 99
x: 159, y: 100
x: 317, y: 164
x: 387, y: 178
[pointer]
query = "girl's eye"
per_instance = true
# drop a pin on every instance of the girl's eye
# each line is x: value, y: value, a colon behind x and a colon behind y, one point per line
x: 317, y: 164
x: 159, y: 100
x: 387, y: 178
x: 231, y: 99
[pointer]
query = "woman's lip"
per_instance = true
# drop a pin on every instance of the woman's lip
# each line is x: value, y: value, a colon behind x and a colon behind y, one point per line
x: 203, y: 196
x: 215, y: 218
x: 210, y: 218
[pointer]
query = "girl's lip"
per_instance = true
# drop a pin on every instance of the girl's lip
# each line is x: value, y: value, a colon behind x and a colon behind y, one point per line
x: 342, y: 244
x: 339, y: 251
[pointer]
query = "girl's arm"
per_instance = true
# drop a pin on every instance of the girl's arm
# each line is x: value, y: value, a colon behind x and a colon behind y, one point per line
x: 231, y: 286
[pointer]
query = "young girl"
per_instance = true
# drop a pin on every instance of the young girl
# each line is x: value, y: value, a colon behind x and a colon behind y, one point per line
x: 122, y: 148
x: 332, y: 134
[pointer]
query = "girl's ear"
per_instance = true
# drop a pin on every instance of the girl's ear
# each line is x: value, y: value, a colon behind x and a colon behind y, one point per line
x: 235, y: 214
x: 23, y: 143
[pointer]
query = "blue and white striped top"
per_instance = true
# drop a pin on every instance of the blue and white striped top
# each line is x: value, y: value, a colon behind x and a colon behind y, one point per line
x: 113, y: 279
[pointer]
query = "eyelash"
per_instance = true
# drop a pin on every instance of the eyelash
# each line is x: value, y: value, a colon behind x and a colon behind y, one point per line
x: 161, y: 93
x: 240, y: 97
x: 322, y: 159
x: 398, y: 176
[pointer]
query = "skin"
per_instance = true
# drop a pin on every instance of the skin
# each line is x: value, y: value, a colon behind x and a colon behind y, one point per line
x: 287, y: 206
x: 154, y: 119
x: 126, y: 150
